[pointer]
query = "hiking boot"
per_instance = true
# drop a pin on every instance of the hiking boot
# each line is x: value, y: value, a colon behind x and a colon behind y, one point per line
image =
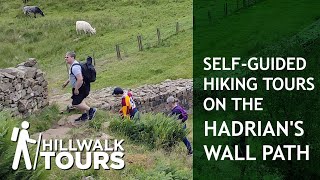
x: 92, y: 113
x: 83, y: 117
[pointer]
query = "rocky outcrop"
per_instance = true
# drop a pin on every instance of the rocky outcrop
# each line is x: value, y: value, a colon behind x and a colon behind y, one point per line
x: 23, y: 89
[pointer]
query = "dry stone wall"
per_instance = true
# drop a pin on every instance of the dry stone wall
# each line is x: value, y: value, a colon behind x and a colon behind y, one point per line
x: 23, y: 89
x: 148, y: 98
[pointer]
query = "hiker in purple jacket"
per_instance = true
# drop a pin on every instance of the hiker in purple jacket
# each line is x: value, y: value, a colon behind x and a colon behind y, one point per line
x: 182, y: 115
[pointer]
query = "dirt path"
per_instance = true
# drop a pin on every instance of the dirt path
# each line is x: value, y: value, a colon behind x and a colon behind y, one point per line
x: 62, y: 128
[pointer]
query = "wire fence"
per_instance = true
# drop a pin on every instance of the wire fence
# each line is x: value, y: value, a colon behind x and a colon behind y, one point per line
x: 153, y: 39
x: 211, y: 13
x: 143, y: 41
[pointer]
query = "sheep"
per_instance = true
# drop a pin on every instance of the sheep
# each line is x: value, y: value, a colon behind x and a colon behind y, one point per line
x: 32, y: 9
x: 84, y: 26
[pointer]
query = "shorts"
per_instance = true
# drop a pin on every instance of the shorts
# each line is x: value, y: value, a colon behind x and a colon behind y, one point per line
x: 135, y: 114
x: 83, y: 93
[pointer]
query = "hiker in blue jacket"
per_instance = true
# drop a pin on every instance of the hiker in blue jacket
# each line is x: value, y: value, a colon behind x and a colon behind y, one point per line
x: 182, y: 115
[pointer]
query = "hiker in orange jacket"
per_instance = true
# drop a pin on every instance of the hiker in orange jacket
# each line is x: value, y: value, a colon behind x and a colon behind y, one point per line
x: 128, y: 109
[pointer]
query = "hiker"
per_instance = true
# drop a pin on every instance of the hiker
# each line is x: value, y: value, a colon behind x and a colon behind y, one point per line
x: 182, y: 115
x: 129, y: 109
x: 80, y: 89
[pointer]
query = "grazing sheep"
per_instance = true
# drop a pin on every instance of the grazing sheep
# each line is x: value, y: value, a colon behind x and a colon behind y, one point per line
x: 32, y: 9
x: 84, y: 26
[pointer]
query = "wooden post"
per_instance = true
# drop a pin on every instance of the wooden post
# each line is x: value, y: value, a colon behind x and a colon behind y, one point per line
x: 139, y: 43
x: 158, y: 34
x: 118, y: 52
x: 177, y: 27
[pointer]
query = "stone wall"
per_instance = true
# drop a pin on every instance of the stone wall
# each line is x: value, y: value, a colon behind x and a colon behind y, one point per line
x: 23, y: 89
x: 148, y: 98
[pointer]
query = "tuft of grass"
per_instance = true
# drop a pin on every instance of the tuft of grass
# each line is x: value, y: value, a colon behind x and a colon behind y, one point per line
x: 163, y: 170
x: 99, y: 119
x: 154, y: 130
x: 44, y: 119
x: 141, y: 160
x: 7, y: 151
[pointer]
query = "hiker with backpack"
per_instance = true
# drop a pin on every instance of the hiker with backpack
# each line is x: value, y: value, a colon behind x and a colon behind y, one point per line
x: 129, y: 109
x: 182, y: 115
x: 80, y: 76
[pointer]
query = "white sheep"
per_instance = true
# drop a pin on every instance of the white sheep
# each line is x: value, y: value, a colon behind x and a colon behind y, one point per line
x: 84, y: 26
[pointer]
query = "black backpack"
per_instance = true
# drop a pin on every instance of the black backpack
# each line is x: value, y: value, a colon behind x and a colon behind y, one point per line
x: 88, y: 71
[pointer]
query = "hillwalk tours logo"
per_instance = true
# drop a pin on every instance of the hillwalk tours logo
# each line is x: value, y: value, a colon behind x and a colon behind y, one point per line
x: 66, y: 156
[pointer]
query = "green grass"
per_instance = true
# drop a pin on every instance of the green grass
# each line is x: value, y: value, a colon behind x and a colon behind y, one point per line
x: 117, y: 22
x: 154, y: 130
x: 259, y: 26
x: 142, y: 161
x: 267, y: 29
x: 38, y: 122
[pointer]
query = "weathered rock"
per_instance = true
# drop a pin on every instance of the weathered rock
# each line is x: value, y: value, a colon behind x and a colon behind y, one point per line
x: 31, y: 72
x: 59, y: 133
x: 29, y: 63
x: 148, y: 98
x: 23, y: 89
x: 9, y: 76
x: 22, y: 105
x: 11, y: 71
x: 88, y: 178
x: 39, y: 73
x: 18, y: 87
x: 5, y: 86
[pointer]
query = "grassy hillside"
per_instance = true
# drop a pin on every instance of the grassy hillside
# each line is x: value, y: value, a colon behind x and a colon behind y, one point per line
x: 267, y: 29
x: 142, y: 160
x: 117, y: 22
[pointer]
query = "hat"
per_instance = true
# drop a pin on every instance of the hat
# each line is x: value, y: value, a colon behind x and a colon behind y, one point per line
x: 171, y: 99
x: 117, y: 91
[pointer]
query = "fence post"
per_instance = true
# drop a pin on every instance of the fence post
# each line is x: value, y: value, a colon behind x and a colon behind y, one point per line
x: 158, y: 34
x: 177, y: 27
x: 118, y: 52
x: 139, y: 43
